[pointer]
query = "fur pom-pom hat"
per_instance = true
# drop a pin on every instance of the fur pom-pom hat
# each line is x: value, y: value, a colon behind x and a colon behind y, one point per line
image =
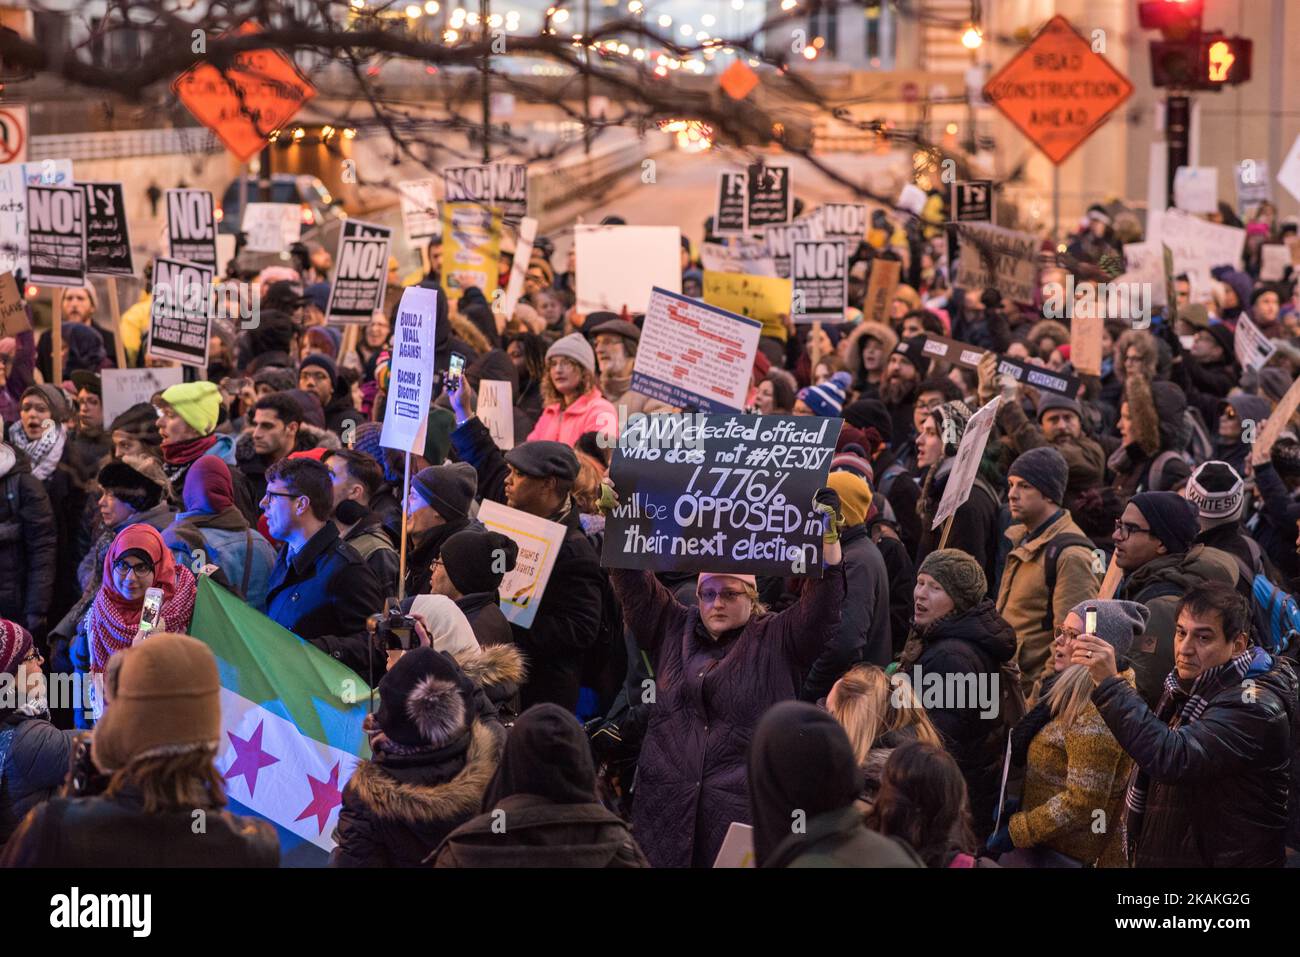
x: 424, y: 700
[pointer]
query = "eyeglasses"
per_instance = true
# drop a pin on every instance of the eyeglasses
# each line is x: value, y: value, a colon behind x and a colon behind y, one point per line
x: 1229, y: 413
x: 1124, y: 529
x: 124, y: 568
x: 270, y: 494
x: 710, y: 595
x: 34, y: 656
x: 1067, y: 634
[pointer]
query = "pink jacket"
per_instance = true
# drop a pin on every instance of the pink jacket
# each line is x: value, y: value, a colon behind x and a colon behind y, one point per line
x: 591, y: 413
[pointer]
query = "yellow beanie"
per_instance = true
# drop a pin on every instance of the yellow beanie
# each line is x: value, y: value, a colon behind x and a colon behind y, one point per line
x: 198, y: 403
x: 855, y: 496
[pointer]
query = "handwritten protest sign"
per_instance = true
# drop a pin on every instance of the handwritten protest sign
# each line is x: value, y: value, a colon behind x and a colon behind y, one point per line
x: 124, y: 388
x: 420, y: 209
x: 539, y: 541
x: 1274, y: 258
x: 964, y: 468
x: 272, y: 227
x: 14, y: 180
x: 750, y: 257
x: 496, y: 410
x: 882, y: 283
x: 763, y: 298
x: 410, y: 387
x: 13, y: 313
x: 1197, y: 246
x: 519, y: 264
x: 993, y: 257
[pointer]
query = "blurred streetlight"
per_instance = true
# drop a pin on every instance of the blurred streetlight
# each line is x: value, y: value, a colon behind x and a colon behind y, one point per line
x: 972, y: 38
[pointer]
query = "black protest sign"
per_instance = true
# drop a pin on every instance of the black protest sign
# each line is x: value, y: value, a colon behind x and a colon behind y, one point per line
x: 108, y: 242
x: 720, y: 493
x: 56, y: 235
x: 729, y: 215
x: 849, y: 220
x: 504, y: 185
x: 967, y: 355
x: 821, y: 280
x: 191, y: 226
x: 770, y: 200
x: 972, y: 201
x: 360, y: 273
x: 180, y: 317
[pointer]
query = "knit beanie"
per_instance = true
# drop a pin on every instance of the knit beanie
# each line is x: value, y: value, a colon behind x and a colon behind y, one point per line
x: 448, y: 489
x: 1218, y: 493
x: 576, y: 347
x: 140, y: 422
x: 167, y: 700
x: 276, y: 378
x: 1172, y: 518
x: 424, y: 700
x: 198, y: 403
x: 913, y: 350
x: 827, y: 399
x: 1119, y: 623
x: 950, y: 419
x: 853, y: 458
x: 15, y: 645
x: 959, y: 575
x: 320, y: 360
x: 477, y: 561
x: 855, y: 496
x: 54, y: 397
x: 870, y: 414
x: 1045, y: 469
x: 1054, y: 400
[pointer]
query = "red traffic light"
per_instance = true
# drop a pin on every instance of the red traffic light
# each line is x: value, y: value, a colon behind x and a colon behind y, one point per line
x: 1175, y: 19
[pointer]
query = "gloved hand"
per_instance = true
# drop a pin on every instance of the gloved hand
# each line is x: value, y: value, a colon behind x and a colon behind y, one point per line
x: 826, y: 501
x: 608, y: 500
x: 1000, y: 842
x: 605, y: 737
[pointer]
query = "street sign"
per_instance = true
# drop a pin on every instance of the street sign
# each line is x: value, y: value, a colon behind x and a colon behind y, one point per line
x: 738, y: 80
x: 972, y: 201
x: 1057, y: 91
x: 13, y: 134
x: 247, y: 101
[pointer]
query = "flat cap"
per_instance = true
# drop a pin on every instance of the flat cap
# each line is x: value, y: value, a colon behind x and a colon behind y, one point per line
x: 544, y: 460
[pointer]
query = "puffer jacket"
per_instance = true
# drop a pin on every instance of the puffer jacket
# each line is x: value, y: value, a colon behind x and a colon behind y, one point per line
x: 1217, y: 793
x: 35, y: 766
x: 692, y: 779
x: 589, y: 413
x: 27, y: 541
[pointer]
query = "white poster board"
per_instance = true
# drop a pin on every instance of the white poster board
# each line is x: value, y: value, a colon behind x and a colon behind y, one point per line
x: 1197, y: 246
x: 14, y: 180
x: 619, y: 265
x: 496, y: 410
x: 1274, y: 258
x: 519, y: 265
x: 1196, y: 189
x: 1288, y: 173
x: 744, y: 256
x: 124, y: 388
x: 962, y: 477
x: 1252, y: 347
x: 420, y: 216
x: 1145, y: 262
x: 539, y: 542
x: 271, y: 227
x: 410, y: 384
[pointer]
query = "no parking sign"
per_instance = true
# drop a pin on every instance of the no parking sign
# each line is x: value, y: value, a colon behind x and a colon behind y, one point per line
x: 13, y: 134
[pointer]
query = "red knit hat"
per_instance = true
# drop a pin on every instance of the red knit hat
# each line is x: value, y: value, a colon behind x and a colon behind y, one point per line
x: 15, y: 645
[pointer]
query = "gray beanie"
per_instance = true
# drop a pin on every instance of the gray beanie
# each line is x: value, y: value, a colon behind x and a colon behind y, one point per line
x: 576, y: 347
x: 449, y: 489
x: 959, y: 575
x: 1119, y: 623
x: 1045, y: 469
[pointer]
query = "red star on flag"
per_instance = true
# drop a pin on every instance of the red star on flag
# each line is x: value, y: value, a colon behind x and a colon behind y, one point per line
x: 325, y: 797
x: 249, y: 758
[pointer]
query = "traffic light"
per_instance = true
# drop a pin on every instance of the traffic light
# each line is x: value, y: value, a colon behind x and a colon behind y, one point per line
x: 1175, y: 19
x: 1224, y: 61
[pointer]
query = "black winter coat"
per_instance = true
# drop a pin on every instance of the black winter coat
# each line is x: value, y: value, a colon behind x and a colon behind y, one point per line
x: 1218, y: 786
x: 36, y: 766
x: 483, y: 609
x: 974, y: 526
x: 27, y: 544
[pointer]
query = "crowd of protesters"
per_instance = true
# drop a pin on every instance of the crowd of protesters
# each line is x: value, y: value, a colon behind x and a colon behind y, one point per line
x: 860, y: 718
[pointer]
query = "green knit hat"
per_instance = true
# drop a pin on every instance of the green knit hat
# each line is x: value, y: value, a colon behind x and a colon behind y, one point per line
x: 198, y: 403
x: 959, y: 575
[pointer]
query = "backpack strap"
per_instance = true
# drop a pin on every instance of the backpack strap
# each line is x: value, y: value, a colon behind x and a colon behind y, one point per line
x: 1051, y: 555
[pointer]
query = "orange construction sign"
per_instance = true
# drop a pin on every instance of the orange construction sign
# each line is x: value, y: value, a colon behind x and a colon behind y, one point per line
x: 247, y: 102
x: 738, y: 80
x: 1057, y: 90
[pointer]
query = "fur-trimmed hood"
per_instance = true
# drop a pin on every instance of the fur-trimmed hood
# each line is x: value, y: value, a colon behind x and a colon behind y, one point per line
x: 494, y: 666
x: 876, y: 330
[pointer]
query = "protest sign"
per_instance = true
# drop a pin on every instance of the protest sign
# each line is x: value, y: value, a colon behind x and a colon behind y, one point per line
x: 965, y: 466
x: 519, y: 264
x: 108, y: 240
x: 471, y: 249
x: 14, y: 180
x: 729, y: 216
x: 56, y: 235
x: 1197, y: 246
x: 848, y: 220
x: 720, y: 493
x: 1145, y: 263
x: 410, y: 383
x: 180, y: 317
x: 967, y: 355
x: 763, y: 298
x: 821, y: 280
x: 271, y: 227
x: 496, y: 410
x: 1288, y: 173
x: 500, y: 185
x: 972, y: 201
x: 882, y: 283
x: 124, y: 388
x: 619, y: 265
x: 1196, y: 189
x: 1252, y: 347
x: 781, y: 239
x: 693, y: 355
x: 1253, y: 183
x: 539, y: 541
x: 1273, y: 261
x: 13, y: 312
x: 1279, y: 420
x: 1002, y: 259
x: 744, y: 256
x: 420, y: 209
x: 911, y: 199
x: 770, y: 200
x: 360, y: 273
x: 191, y: 227
x: 1086, y: 328
x: 738, y: 846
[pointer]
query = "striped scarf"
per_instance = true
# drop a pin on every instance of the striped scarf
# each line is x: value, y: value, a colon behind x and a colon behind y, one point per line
x: 1194, y: 701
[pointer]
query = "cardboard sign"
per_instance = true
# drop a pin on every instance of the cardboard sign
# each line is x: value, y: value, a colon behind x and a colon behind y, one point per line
x: 13, y: 311
x: 967, y: 355
x: 693, y: 355
x: 496, y: 410
x: 618, y: 266
x: 410, y: 384
x: 964, y: 468
x: 1288, y: 173
x: 1196, y: 189
x: 1274, y: 258
x: 124, y: 388
x: 180, y: 318
x: 1003, y: 259
x: 821, y: 281
x: 519, y: 264
x: 539, y: 541
x: 1086, y: 328
x: 770, y: 201
x: 1145, y: 264
x: 1278, y: 421
x: 764, y: 298
x: 191, y: 227
x: 720, y: 493
x: 501, y: 185
x: 108, y: 240
x: 972, y: 201
x: 1252, y: 347
x: 1197, y: 246
x: 360, y: 273
x: 14, y: 180
x: 882, y: 282
x: 271, y: 227
x: 1253, y: 183
x: 730, y: 214
x: 420, y: 216
x: 471, y: 249
x: 1056, y: 90
x: 56, y: 235
x: 849, y: 220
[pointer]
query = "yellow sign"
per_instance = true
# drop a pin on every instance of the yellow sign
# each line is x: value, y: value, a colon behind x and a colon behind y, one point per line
x: 765, y: 298
x: 471, y: 248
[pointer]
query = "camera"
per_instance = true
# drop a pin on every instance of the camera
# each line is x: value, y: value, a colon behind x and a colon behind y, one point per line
x: 394, y: 631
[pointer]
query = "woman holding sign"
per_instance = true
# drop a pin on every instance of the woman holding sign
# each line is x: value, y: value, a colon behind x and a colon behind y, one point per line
x: 718, y: 667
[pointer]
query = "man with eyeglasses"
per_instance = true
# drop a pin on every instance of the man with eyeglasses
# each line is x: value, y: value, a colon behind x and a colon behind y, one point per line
x: 1155, y: 547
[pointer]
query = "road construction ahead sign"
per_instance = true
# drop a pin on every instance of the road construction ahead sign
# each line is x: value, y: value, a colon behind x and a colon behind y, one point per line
x: 1057, y: 90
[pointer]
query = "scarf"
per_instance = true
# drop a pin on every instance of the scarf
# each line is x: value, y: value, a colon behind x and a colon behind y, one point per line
x: 1183, y: 707
x: 114, y: 620
x: 45, y: 453
x: 183, y: 453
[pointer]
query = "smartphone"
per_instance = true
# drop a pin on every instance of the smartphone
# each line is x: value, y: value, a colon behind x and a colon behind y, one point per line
x: 455, y: 371
x: 1090, y: 620
x: 151, y: 614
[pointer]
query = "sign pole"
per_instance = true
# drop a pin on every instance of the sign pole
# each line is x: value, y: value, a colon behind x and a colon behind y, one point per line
x: 947, y: 527
x: 118, y: 346
x: 1056, y: 203
x: 56, y: 358
x: 406, y: 494
x: 1110, y: 584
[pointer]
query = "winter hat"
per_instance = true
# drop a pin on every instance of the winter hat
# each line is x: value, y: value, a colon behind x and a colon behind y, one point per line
x: 913, y: 350
x: 853, y: 459
x: 909, y: 296
x: 313, y: 413
x: 543, y: 459
x: 1119, y: 623
x: 959, y: 575
x: 827, y: 399
x: 1249, y: 408
x: 950, y: 419
x: 15, y: 645
x: 1218, y: 493
x: 546, y: 755
x: 322, y: 361
x: 470, y: 559
x: 54, y: 397
x: 749, y: 580
x: 366, y: 439
x: 855, y: 496
x: 446, y: 625
x: 276, y: 378
x: 1054, y: 400
x: 1263, y: 288
x: 1286, y: 456
x: 424, y: 700
x: 1195, y: 315
x: 198, y: 403
x: 449, y: 489
x: 1223, y: 337
x: 1270, y: 382
x: 1172, y: 518
x: 318, y: 294
x: 870, y: 414
x: 167, y: 700
x: 128, y: 485
x: 90, y: 381
x: 834, y: 331
x: 140, y: 422
x: 1045, y: 469
x: 576, y: 347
